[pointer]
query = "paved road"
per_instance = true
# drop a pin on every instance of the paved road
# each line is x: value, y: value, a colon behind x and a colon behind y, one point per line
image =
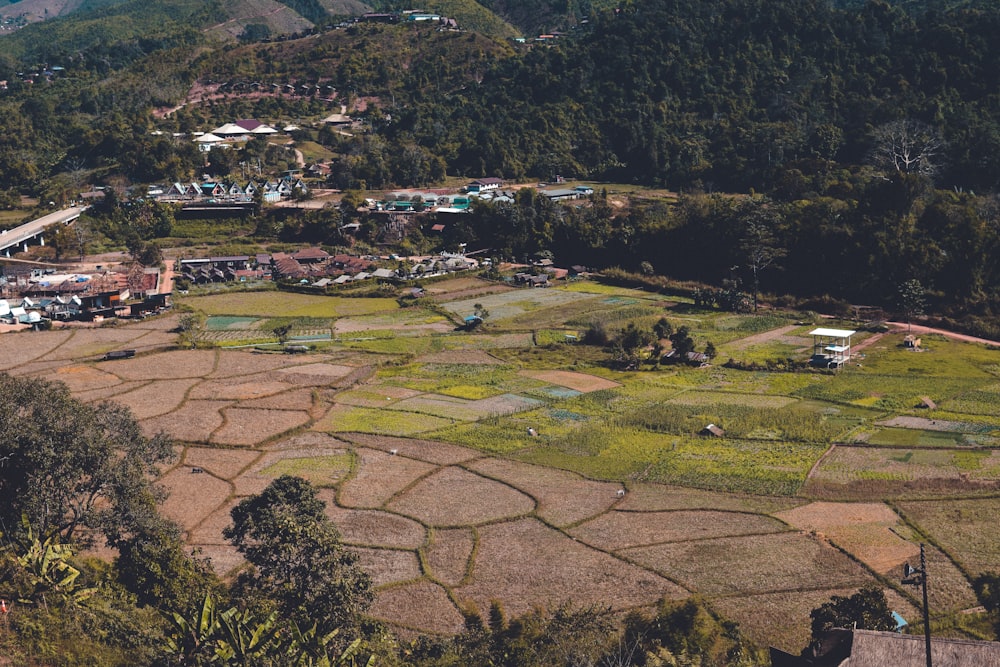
x: 12, y: 237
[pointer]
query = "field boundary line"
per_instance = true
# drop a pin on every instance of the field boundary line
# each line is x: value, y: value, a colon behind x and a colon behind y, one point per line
x: 819, y: 461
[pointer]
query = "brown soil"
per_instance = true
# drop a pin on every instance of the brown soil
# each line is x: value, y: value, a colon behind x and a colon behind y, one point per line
x: 621, y: 530
x: 524, y: 564
x: 224, y: 463
x: 245, y: 427
x: 193, y: 496
x: 155, y: 399
x: 420, y: 605
x: 564, y: 498
x: 376, y: 528
x: 751, y: 565
x: 379, y: 477
x: 388, y: 566
x: 448, y: 554
x: 578, y: 381
x: 456, y: 497
x: 193, y: 422
x: 162, y: 366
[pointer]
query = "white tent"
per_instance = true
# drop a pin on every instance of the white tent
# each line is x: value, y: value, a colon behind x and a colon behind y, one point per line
x: 229, y: 128
x: 209, y: 138
x: 263, y: 129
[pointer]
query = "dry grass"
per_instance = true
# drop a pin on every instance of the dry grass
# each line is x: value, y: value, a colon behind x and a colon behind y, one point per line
x: 751, y: 565
x: 193, y: 422
x: 192, y: 496
x: 18, y: 348
x: 966, y: 529
x: 563, y: 497
x: 420, y: 605
x: 448, y: 554
x: 374, y: 528
x: 947, y: 588
x: 224, y: 463
x: 84, y: 378
x: 107, y: 393
x: 461, y: 284
x: 163, y: 365
x: 156, y: 398
x: 782, y: 619
x: 620, y: 530
x: 388, y: 566
x: 379, y: 477
x: 240, y: 390
x: 525, y: 564
x: 869, y: 531
x: 431, y: 451
x: 237, y: 362
x: 209, y: 531
x: 297, y: 399
x: 246, y: 426
x: 581, y: 382
x: 456, y: 497
x: 313, y: 374
x: 658, y: 497
x: 90, y: 342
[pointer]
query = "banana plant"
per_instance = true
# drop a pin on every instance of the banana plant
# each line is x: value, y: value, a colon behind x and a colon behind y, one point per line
x: 244, y: 638
x: 193, y: 638
x: 45, y: 562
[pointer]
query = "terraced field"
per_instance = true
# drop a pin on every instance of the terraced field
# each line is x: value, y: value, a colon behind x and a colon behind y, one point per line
x: 469, y: 467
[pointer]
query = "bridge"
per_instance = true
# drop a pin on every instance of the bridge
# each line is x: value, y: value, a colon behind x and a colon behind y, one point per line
x: 29, y: 231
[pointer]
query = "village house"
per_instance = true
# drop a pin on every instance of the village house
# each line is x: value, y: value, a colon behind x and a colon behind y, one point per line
x: 481, y: 185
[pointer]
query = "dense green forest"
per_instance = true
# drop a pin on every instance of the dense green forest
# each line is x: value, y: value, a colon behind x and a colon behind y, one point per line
x: 868, y: 132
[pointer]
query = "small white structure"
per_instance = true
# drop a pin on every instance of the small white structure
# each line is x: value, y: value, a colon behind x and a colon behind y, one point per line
x: 831, y: 347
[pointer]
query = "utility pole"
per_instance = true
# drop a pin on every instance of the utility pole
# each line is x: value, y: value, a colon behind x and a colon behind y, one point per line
x: 918, y: 577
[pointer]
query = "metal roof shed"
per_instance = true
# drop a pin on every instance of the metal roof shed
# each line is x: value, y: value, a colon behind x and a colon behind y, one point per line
x: 831, y: 347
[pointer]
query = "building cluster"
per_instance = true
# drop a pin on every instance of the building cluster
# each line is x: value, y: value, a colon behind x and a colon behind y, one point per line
x: 32, y: 296
x: 316, y: 267
x: 269, y: 190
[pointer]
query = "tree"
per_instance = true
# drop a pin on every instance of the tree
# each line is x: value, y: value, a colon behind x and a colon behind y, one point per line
x: 867, y: 609
x: 759, y: 244
x: 911, y: 300
x: 908, y: 147
x: 298, y: 563
x: 628, y: 343
x: 682, y: 343
x: 69, y: 465
x: 153, y: 564
x: 662, y: 329
x: 281, y: 332
x: 189, y: 327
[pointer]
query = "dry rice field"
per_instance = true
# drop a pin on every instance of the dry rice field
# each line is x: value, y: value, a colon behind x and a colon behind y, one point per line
x: 440, y: 526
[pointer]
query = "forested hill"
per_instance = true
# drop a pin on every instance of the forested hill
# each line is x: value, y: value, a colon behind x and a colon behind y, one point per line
x: 733, y: 92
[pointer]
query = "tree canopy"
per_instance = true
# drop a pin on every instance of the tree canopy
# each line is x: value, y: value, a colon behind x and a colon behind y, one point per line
x: 70, y: 467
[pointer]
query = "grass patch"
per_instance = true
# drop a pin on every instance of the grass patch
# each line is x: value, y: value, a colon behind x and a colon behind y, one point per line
x: 382, y: 422
x: 320, y: 470
x: 966, y: 529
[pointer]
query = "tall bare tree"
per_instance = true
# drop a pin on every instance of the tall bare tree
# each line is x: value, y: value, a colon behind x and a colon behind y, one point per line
x: 908, y: 146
